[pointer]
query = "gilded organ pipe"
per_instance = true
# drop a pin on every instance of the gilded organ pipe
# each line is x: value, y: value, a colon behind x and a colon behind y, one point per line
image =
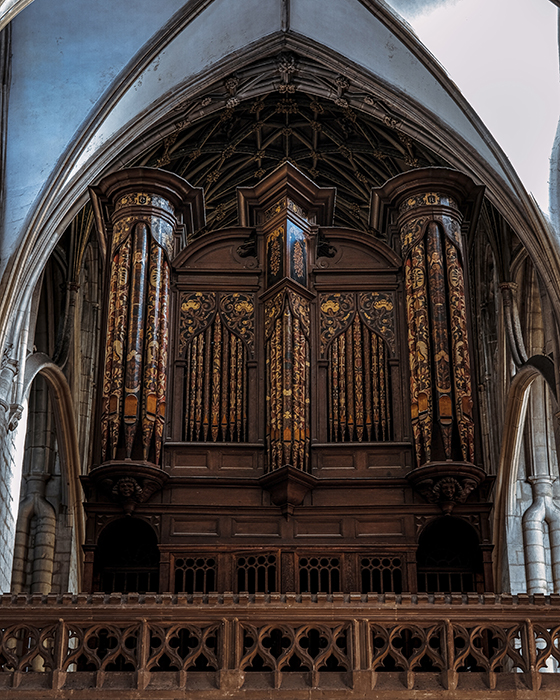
x: 287, y: 358
x: 356, y: 330
x: 461, y: 355
x: 216, y: 364
x: 138, y: 209
x: 135, y: 340
x: 133, y: 401
x: 440, y: 369
x: 359, y: 394
x: 438, y: 309
x: 117, y: 348
x: 162, y: 361
x: 361, y: 412
x: 153, y: 320
x: 107, y: 370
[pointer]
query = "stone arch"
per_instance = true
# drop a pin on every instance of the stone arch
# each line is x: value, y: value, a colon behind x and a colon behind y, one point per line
x: 35, y: 504
x: 126, y: 557
x: 64, y: 192
x: 512, y: 444
x: 442, y: 567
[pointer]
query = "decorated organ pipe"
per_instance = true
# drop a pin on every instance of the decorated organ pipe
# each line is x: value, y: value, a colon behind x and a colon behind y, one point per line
x: 431, y: 210
x: 357, y: 337
x: 286, y: 209
x: 139, y: 210
x: 288, y: 389
x: 216, y: 340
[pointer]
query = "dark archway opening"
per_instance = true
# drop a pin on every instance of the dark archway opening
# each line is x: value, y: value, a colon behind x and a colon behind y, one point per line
x: 449, y: 559
x: 127, y: 558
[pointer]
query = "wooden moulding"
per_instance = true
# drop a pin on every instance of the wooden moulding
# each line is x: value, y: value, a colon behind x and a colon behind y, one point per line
x: 397, y: 646
x: 288, y: 487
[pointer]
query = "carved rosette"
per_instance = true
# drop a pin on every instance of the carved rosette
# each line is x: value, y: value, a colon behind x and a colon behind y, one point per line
x: 139, y: 210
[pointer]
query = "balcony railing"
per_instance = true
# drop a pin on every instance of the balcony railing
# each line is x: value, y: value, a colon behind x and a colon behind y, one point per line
x: 290, y: 645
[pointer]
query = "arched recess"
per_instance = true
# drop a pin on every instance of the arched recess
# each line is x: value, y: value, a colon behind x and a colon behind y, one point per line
x: 444, y: 567
x: 127, y: 557
x: 511, y: 446
x: 40, y: 364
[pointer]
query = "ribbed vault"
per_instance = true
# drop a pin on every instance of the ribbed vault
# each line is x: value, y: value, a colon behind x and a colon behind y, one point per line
x: 258, y: 127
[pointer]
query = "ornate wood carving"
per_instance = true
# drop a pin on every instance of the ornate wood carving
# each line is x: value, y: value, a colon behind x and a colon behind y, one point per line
x: 217, y: 333
x: 358, y: 380
x: 215, y: 642
x: 287, y: 360
x: 377, y: 310
x: 430, y: 207
x: 136, y: 347
x: 336, y: 313
x: 145, y: 206
x: 197, y: 310
x: 430, y: 221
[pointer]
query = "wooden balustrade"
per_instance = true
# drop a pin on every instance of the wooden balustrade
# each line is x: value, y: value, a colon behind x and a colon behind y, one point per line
x: 295, y: 645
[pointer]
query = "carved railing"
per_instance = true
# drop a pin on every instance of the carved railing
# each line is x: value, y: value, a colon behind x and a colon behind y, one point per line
x: 409, y: 646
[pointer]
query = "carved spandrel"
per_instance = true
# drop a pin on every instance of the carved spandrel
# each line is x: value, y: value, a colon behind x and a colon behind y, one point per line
x: 238, y: 313
x: 336, y: 312
x: 161, y: 231
x: 412, y: 233
x: 377, y: 310
x: 414, y: 230
x: 272, y: 309
x: 121, y: 230
x: 301, y: 309
x: 197, y: 311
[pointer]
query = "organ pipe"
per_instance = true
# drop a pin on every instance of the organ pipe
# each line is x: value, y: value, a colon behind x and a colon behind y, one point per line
x: 139, y: 210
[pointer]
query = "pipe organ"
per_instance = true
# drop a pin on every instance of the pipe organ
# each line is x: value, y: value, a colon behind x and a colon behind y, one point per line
x: 287, y: 396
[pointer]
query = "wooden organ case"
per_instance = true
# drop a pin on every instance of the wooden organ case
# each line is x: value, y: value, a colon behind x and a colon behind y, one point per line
x: 287, y: 406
